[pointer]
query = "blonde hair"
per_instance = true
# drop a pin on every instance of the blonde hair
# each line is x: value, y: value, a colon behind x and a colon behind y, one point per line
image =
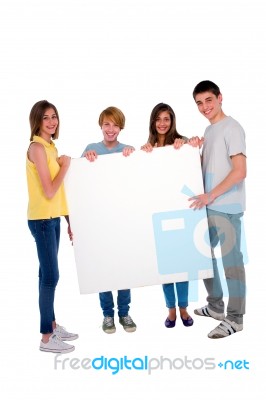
x: 115, y: 115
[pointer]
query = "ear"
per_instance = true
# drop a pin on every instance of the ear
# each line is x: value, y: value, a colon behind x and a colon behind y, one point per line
x: 220, y: 98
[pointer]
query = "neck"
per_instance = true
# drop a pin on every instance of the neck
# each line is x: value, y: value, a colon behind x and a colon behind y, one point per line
x: 160, y: 141
x: 110, y: 145
x: 218, y: 117
x: 47, y: 138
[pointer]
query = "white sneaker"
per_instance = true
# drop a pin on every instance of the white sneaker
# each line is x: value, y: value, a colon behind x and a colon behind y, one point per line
x: 63, y: 334
x: 56, y: 345
x: 207, y: 312
x: 226, y: 328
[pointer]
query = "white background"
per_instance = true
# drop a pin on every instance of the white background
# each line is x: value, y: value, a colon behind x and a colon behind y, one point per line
x: 84, y: 56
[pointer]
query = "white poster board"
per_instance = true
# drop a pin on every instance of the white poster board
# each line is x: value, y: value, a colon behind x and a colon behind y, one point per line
x: 131, y: 219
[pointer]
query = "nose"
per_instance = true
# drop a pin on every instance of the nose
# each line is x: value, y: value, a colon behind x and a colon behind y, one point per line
x: 48, y: 119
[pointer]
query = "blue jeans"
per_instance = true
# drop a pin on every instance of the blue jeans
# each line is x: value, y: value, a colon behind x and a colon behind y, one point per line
x: 226, y: 230
x: 46, y: 233
x: 123, y: 301
x: 182, y: 294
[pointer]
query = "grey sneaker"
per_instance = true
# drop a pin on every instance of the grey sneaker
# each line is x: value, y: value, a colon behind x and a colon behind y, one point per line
x: 207, y: 312
x: 128, y: 323
x: 108, y: 325
x: 63, y: 334
x: 226, y: 328
x: 56, y: 345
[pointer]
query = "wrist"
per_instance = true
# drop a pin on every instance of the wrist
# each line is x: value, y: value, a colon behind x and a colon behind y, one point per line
x: 211, y: 197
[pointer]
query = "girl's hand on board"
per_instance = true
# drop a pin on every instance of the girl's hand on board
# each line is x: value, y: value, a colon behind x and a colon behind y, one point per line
x: 147, y: 147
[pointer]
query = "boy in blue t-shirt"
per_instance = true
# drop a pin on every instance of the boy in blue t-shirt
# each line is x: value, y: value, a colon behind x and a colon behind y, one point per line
x: 111, y: 121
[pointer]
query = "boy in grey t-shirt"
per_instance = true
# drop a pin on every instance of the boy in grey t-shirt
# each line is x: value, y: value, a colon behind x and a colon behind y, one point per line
x: 224, y: 172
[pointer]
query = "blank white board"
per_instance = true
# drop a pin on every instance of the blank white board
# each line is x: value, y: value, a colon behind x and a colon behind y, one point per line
x: 131, y: 219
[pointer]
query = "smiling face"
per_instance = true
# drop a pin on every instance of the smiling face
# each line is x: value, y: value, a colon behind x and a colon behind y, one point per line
x: 110, y: 132
x: 210, y: 106
x: 49, y: 124
x: 163, y: 123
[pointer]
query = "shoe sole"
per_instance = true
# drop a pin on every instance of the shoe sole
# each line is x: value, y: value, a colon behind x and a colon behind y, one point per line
x: 57, y: 351
x: 129, y: 330
x: 109, y: 331
x: 217, y: 336
x: 69, y: 338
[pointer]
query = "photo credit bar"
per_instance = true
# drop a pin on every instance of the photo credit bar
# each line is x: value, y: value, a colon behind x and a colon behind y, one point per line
x: 145, y: 363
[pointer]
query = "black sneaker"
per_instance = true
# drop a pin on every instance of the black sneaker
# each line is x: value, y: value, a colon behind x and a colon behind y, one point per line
x: 108, y: 325
x: 127, y: 323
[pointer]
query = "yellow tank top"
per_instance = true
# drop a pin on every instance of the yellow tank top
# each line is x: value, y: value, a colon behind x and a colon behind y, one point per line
x: 39, y: 207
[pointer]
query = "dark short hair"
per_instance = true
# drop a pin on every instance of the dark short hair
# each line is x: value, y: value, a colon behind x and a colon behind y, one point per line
x: 206, y: 86
x: 36, y: 118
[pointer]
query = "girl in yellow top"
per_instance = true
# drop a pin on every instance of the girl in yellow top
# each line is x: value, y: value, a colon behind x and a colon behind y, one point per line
x: 47, y: 202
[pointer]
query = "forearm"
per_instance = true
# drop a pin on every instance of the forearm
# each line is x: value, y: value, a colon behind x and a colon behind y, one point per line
x: 56, y: 183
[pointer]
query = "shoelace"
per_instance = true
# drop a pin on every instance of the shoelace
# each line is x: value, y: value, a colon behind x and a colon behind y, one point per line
x: 57, y: 340
x: 128, y: 320
x: 108, y: 321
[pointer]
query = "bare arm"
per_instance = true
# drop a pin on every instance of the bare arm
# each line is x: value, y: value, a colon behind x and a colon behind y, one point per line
x: 235, y: 176
x: 37, y: 155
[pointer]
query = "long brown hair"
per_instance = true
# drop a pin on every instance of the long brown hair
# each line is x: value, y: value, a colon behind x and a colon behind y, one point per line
x: 36, y: 118
x: 172, y: 134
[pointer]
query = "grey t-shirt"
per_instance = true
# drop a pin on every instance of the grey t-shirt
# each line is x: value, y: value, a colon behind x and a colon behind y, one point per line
x: 221, y: 140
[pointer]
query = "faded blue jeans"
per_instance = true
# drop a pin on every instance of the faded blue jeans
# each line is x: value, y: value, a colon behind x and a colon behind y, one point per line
x: 182, y: 294
x: 123, y: 301
x: 46, y: 233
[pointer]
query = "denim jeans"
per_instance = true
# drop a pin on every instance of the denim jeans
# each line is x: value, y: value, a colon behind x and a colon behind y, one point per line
x: 123, y: 301
x: 226, y: 230
x: 46, y: 233
x: 182, y: 294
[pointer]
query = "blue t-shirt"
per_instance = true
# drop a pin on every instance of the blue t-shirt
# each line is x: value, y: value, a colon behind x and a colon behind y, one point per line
x: 101, y: 149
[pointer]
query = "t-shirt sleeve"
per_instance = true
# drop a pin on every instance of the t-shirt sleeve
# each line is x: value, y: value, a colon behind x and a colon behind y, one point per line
x: 89, y: 147
x: 235, y: 141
